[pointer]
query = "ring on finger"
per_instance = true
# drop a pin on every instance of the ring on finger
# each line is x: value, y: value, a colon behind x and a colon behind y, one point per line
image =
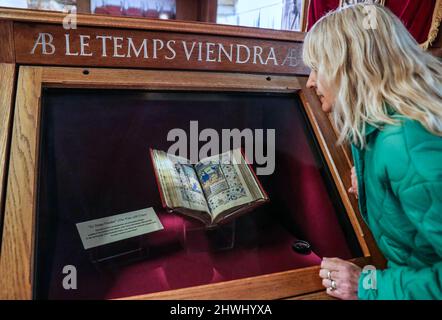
x: 329, y: 275
x: 333, y: 285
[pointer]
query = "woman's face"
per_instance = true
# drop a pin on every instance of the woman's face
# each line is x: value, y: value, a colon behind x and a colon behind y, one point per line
x: 326, y: 95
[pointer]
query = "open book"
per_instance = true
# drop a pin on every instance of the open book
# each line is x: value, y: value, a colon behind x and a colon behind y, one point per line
x: 214, y: 190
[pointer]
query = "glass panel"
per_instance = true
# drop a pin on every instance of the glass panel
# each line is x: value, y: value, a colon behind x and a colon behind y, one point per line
x: 270, y: 14
x: 94, y: 163
x: 162, y: 9
x: 52, y: 5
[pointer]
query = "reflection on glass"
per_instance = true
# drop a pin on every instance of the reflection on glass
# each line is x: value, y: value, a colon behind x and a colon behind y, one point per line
x: 134, y: 8
x: 167, y: 10
x: 98, y: 7
x: 163, y: 9
x: 52, y: 5
x: 152, y: 9
x: 271, y: 14
x: 114, y: 7
x: 14, y: 3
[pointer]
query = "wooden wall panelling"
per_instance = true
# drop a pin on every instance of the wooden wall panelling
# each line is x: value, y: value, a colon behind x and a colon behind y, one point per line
x: 272, y: 286
x: 208, y: 10
x: 187, y: 10
x: 7, y: 89
x: 84, y: 6
x: 320, y: 295
x: 292, y: 284
x: 19, y: 221
x: 154, y: 80
x: 157, y: 50
x: 197, y: 10
x: 7, y: 52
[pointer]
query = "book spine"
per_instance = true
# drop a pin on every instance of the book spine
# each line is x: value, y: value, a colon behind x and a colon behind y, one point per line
x: 155, y: 170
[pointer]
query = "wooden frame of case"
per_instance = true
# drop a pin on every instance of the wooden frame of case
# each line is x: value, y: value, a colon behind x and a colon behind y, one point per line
x: 19, y: 158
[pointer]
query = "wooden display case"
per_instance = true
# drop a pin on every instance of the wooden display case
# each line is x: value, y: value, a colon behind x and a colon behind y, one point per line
x: 64, y: 94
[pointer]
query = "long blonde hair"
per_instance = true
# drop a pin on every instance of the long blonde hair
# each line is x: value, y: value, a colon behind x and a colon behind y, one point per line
x: 365, y: 54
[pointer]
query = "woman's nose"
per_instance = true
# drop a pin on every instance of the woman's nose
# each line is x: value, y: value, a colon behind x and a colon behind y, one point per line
x: 311, y: 83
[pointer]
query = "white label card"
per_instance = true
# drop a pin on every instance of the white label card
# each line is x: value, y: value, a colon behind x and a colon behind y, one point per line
x: 97, y: 232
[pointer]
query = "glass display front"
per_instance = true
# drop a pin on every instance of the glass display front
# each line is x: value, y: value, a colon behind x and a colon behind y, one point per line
x: 95, y: 163
x: 269, y: 14
x: 163, y: 9
x: 159, y: 9
x: 51, y: 5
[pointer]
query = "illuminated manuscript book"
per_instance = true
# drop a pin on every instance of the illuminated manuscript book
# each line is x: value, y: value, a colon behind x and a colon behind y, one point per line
x: 214, y: 190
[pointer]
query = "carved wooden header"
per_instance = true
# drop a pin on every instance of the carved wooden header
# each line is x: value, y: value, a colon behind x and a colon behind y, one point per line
x: 152, y: 44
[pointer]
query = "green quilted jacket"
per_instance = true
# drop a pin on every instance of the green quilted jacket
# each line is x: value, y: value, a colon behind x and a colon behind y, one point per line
x: 400, y: 197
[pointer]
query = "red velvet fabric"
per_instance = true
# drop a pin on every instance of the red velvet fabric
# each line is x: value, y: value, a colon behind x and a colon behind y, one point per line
x: 198, y: 266
x: 319, y: 8
x: 416, y: 15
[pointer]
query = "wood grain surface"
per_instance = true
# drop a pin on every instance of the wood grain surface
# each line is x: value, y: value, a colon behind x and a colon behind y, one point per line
x: 293, y: 283
x: 47, y: 44
x: 153, y: 80
x: 7, y: 83
x: 17, y: 246
x: 7, y: 51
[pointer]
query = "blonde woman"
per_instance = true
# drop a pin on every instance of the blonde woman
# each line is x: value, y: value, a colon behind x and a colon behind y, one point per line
x: 385, y: 96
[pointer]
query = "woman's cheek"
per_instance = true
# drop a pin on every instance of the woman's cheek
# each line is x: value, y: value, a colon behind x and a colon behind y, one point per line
x: 326, y: 105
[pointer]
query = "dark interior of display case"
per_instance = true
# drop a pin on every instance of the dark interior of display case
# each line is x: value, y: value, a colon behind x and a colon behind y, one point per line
x: 94, y: 162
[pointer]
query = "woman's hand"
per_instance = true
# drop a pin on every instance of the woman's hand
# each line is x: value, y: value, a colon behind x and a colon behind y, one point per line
x: 345, y: 276
x: 354, y: 183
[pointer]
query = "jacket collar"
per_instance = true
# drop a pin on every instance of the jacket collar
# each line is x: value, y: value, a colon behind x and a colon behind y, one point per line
x: 369, y: 128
